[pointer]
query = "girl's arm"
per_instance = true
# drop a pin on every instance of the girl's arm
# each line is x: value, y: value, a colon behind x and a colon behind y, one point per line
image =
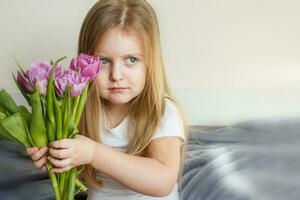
x: 154, y: 175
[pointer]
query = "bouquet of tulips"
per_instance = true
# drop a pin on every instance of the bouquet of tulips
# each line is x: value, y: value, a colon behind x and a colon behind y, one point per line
x: 57, y: 97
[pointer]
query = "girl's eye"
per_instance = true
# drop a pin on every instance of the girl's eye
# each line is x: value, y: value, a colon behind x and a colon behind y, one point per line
x: 131, y: 60
x: 104, y: 61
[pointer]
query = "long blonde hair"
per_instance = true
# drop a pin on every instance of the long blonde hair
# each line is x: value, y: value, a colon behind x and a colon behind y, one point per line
x: 147, y: 109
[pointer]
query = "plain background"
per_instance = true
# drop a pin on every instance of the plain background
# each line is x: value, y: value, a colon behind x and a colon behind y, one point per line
x: 227, y: 61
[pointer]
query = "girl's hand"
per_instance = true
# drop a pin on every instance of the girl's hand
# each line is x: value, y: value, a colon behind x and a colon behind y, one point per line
x: 68, y: 153
x: 38, y: 157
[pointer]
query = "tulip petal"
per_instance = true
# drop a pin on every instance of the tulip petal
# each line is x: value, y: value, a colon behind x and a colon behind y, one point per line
x: 24, y: 82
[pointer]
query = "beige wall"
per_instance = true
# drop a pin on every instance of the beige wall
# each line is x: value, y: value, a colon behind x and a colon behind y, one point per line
x: 227, y: 61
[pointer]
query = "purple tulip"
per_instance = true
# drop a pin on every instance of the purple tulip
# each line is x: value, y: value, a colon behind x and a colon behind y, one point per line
x: 35, y: 78
x: 24, y: 82
x: 60, y: 81
x: 88, y: 66
x: 72, y: 79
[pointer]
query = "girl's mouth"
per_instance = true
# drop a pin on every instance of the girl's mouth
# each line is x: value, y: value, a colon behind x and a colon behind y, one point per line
x: 118, y: 89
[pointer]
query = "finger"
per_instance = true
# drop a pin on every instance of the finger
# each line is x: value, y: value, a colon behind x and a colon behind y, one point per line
x: 31, y: 150
x: 79, y: 136
x: 60, y: 154
x: 44, y: 169
x: 61, y: 170
x: 60, y: 163
x: 61, y: 144
x: 39, y: 154
x: 40, y: 163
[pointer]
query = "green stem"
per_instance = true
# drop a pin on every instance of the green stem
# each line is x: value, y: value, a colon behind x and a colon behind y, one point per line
x: 67, y: 114
x: 62, y: 179
x: 80, y: 185
x: 81, y: 105
x: 58, y: 116
x: 75, y: 105
x: 65, y: 193
x: 51, y: 124
x: 53, y: 181
x: 71, y: 184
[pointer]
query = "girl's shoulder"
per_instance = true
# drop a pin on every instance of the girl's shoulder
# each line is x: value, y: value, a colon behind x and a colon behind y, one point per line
x: 171, y: 122
x: 171, y: 107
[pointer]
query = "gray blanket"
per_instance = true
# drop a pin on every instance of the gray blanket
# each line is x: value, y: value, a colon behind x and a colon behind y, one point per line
x: 19, y: 180
x: 253, y: 160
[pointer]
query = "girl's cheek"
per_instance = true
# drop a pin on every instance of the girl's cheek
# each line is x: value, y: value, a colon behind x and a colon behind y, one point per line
x: 104, y: 68
x: 104, y: 72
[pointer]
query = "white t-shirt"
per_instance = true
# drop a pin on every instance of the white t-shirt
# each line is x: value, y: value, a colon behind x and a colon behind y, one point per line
x: 118, y: 138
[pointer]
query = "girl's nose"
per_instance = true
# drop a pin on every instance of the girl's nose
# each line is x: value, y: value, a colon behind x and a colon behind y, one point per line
x: 116, y: 73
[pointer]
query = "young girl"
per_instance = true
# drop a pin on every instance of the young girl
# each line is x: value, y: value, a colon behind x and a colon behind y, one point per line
x: 131, y: 132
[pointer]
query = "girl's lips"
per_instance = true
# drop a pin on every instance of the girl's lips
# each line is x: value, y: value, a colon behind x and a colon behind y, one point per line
x: 118, y: 89
x: 114, y: 88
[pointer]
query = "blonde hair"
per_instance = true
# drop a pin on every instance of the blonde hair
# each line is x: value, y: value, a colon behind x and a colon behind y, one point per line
x: 132, y: 16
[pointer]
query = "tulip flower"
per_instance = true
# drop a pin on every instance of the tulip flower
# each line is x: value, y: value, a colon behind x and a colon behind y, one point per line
x: 72, y: 79
x: 24, y: 81
x: 88, y: 66
x: 35, y: 78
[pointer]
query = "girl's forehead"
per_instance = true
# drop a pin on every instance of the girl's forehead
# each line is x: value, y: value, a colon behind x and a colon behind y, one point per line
x: 118, y: 41
x: 119, y: 35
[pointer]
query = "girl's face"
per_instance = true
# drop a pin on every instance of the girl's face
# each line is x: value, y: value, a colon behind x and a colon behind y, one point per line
x: 123, y: 73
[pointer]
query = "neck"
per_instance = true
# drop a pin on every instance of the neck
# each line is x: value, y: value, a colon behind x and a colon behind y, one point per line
x: 118, y: 109
x: 115, y: 113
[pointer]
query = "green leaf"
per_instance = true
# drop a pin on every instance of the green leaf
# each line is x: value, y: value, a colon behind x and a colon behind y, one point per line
x: 4, y: 134
x: 37, y: 125
x: 2, y: 115
x: 30, y: 140
x: 2, y: 109
x: 15, y: 126
x: 19, y: 66
x: 7, y: 102
x: 25, y: 114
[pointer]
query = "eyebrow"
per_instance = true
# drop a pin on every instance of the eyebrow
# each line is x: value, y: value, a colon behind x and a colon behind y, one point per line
x: 126, y: 55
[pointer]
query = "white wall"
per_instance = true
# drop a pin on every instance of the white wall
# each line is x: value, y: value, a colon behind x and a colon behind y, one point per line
x: 227, y: 61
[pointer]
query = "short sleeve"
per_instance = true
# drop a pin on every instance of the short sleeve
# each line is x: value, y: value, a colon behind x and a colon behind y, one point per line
x: 171, y: 124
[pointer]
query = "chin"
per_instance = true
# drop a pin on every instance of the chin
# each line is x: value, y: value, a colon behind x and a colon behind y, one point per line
x: 118, y: 101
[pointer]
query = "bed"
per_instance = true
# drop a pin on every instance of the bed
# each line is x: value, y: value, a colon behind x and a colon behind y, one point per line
x: 250, y: 160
